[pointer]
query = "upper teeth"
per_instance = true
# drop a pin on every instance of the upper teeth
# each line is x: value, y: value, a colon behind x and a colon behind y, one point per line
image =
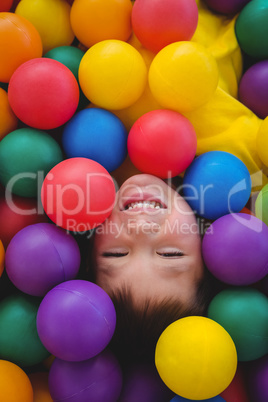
x: 144, y: 204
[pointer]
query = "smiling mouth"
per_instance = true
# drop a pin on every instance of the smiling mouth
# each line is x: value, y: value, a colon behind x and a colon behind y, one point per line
x: 144, y: 205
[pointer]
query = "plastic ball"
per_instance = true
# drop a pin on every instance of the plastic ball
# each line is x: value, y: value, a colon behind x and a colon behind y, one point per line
x: 5, y: 5
x: 142, y: 383
x: 112, y: 74
x: 78, y: 194
x: 217, y: 183
x: 178, y: 398
x: 97, y: 379
x: 196, y: 358
x: 262, y: 141
x: 15, y: 384
x: 96, y: 134
x: 76, y: 320
x: 2, y: 258
x: 26, y: 155
x: 43, y: 93
x: 16, y: 213
x: 162, y: 143
x: 40, y: 257
x: 227, y: 6
x: 39, y: 381
x: 183, y: 76
x: 253, y: 89
x: 94, y: 21
x: 8, y: 120
x: 163, y: 22
x: 251, y: 29
x: 261, y: 205
x: 19, y: 341
x: 235, y: 249
x: 243, y: 312
x: 19, y: 42
x: 257, y: 380
x: 51, y: 18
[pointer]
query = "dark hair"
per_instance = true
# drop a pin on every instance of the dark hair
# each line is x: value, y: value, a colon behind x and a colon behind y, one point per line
x: 138, y: 327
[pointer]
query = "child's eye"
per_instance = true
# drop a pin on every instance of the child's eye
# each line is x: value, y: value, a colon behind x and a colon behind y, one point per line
x: 114, y: 254
x: 170, y: 254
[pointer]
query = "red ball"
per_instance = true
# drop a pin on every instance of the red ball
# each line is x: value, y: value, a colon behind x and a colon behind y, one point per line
x: 162, y: 143
x: 78, y: 194
x: 161, y: 22
x: 5, y: 5
x: 43, y: 93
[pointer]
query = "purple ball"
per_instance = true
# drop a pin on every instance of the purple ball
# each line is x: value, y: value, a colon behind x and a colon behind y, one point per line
x: 226, y: 6
x: 235, y: 249
x: 142, y: 383
x: 95, y: 380
x: 41, y: 256
x: 76, y: 320
x: 257, y: 379
x: 253, y: 89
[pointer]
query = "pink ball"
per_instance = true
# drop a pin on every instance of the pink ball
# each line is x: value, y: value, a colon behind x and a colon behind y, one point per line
x: 43, y: 93
x: 161, y: 22
x: 162, y: 143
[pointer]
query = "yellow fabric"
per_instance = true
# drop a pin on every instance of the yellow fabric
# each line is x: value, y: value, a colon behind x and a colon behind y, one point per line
x: 223, y: 123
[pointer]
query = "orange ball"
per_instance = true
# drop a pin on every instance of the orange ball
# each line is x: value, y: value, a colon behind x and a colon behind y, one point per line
x: 15, y: 384
x: 96, y: 20
x: 8, y: 120
x: 2, y: 257
x: 19, y: 42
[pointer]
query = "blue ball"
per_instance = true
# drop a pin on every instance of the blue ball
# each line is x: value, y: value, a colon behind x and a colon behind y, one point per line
x: 178, y: 398
x: 96, y: 134
x: 216, y: 183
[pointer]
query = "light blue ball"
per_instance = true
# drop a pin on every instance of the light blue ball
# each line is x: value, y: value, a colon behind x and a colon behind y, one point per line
x: 217, y: 183
x: 96, y: 134
x: 178, y: 398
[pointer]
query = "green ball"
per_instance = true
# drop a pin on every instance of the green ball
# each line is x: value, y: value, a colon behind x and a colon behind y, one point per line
x: 26, y: 156
x: 251, y: 29
x: 19, y: 340
x: 243, y: 313
x: 261, y: 205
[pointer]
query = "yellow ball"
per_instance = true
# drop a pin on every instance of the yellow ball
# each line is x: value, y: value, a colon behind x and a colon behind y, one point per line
x: 262, y: 142
x: 51, y: 18
x: 14, y: 383
x: 196, y: 358
x: 112, y: 74
x: 97, y: 20
x: 183, y: 76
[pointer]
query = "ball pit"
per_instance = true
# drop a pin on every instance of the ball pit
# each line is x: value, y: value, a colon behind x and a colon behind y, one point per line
x: 94, y: 21
x: 183, y: 76
x: 15, y: 384
x: 159, y: 24
x: 43, y: 93
x: 235, y: 251
x: 19, y: 42
x: 112, y: 74
x: 19, y: 340
x: 78, y: 194
x: 40, y: 257
x: 26, y: 156
x: 217, y: 183
x: 97, y: 379
x: 251, y: 28
x: 51, y: 18
x: 253, y: 89
x: 169, y: 135
x: 243, y: 313
x: 96, y: 134
x: 196, y: 358
x: 79, y: 312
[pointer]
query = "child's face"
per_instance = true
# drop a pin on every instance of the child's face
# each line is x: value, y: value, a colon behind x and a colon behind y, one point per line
x: 150, y: 243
